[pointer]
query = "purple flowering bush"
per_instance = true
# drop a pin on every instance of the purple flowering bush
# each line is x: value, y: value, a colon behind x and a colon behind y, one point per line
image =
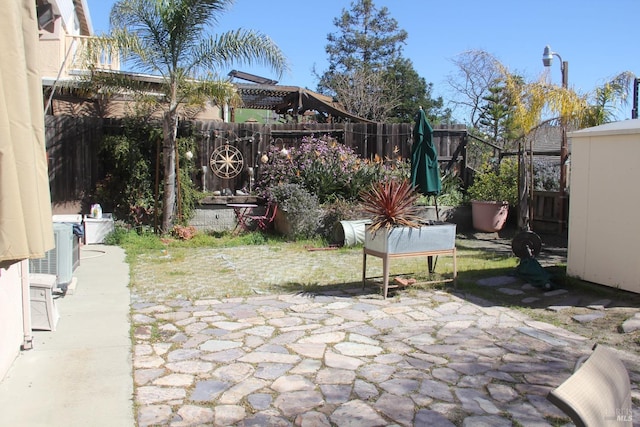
x: 323, y: 167
x: 318, y: 183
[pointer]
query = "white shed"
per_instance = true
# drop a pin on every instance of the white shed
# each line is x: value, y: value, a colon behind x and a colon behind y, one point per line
x: 604, y: 206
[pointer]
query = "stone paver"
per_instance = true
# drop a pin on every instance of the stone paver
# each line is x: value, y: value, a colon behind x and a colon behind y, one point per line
x: 588, y: 317
x: 348, y: 358
x: 632, y: 324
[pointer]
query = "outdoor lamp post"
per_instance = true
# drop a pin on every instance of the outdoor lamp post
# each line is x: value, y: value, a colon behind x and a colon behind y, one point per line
x: 547, y: 59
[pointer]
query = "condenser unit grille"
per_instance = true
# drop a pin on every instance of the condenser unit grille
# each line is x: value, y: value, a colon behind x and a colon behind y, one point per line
x: 46, y: 265
x: 60, y: 260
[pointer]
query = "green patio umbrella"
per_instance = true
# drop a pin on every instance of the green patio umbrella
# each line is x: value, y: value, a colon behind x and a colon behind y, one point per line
x: 425, y: 171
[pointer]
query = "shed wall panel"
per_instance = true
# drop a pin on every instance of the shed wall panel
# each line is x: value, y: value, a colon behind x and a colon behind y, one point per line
x: 604, y: 230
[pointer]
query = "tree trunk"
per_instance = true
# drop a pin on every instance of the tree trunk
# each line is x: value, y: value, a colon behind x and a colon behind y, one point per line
x: 169, y: 129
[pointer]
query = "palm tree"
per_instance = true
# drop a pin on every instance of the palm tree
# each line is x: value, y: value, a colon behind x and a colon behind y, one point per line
x: 534, y: 100
x: 607, y: 98
x: 172, y: 39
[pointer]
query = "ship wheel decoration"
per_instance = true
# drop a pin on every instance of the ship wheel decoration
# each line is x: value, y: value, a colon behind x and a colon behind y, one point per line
x: 226, y: 161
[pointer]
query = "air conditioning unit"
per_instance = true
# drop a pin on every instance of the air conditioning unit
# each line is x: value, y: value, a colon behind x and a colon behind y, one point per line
x: 62, y: 260
x: 78, y: 231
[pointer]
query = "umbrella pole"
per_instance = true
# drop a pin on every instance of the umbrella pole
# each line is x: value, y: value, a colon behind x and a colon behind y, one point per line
x: 431, y: 260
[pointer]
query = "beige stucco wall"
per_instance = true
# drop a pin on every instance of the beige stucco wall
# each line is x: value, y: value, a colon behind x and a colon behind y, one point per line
x: 11, y: 334
x: 604, y: 225
x: 52, y: 49
x: 50, y: 56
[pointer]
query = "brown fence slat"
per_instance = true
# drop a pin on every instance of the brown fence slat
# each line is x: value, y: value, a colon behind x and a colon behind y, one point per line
x: 74, y: 167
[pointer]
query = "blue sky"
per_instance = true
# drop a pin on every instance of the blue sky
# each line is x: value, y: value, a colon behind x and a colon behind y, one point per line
x: 597, y: 38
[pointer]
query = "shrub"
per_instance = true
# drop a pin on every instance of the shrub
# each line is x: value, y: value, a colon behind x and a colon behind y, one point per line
x: 302, y: 208
x: 496, y: 183
x: 451, y: 194
x: 127, y: 188
x: 117, y: 236
x: 189, y: 194
x: 183, y: 232
x: 129, y: 162
x: 321, y: 166
x: 336, y: 211
x: 546, y: 175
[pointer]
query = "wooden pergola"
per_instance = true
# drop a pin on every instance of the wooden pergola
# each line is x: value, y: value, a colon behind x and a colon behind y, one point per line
x: 265, y: 94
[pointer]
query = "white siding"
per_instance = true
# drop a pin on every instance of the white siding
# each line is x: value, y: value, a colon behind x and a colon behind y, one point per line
x: 11, y: 333
x: 604, y: 225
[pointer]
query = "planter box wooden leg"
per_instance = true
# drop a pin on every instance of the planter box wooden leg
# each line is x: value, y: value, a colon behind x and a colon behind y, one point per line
x: 385, y: 275
x: 386, y: 260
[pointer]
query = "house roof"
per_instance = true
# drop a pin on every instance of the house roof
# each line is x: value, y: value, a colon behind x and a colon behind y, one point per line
x: 82, y: 11
x: 547, y: 139
x: 67, y: 9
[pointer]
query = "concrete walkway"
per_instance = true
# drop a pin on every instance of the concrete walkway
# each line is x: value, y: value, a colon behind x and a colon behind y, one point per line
x: 79, y: 375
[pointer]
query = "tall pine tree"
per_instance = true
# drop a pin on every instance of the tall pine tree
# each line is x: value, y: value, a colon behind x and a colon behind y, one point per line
x: 367, y: 72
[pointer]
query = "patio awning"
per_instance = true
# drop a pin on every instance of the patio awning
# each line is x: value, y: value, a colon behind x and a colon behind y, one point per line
x: 26, y: 229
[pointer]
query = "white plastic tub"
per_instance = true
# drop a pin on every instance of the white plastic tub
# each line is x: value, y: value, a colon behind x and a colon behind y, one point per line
x: 96, y: 229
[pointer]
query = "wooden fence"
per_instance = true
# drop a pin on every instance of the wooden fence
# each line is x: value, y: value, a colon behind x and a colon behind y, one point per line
x: 75, y: 168
x: 72, y: 156
x: 550, y: 211
x: 386, y: 141
x: 73, y: 143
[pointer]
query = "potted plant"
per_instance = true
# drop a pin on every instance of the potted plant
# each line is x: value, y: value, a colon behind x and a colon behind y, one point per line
x: 396, y: 227
x: 297, y: 215
x: 396, y: 230
x: 494, y: 189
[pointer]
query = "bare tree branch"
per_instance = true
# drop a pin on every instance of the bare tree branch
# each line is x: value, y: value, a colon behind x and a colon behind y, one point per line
x: 477, y: 71
x: 365, y: 94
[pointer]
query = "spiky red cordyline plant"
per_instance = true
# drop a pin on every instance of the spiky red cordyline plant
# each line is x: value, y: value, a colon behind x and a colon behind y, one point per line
x: 391, y: 204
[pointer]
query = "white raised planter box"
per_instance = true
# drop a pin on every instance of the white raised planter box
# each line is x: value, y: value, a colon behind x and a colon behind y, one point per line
x: 402, y: 240
x: 428, y: 240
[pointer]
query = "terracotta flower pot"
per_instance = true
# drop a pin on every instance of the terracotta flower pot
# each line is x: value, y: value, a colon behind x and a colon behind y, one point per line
x: 489, y: 216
